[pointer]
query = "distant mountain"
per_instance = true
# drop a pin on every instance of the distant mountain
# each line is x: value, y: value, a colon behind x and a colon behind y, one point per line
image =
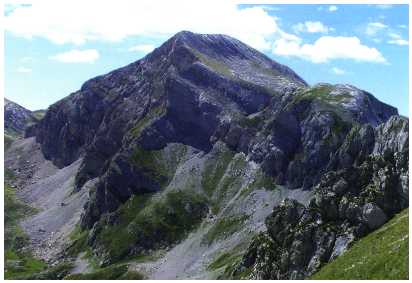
x: 193, y: 149
x: 17, y: 118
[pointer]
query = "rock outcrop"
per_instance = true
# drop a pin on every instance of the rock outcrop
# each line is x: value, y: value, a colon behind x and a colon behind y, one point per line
x: 348, y: 204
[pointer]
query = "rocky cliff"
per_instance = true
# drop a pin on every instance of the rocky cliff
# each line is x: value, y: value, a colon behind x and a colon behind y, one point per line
x: 188, y: 137
x: 347, y: 204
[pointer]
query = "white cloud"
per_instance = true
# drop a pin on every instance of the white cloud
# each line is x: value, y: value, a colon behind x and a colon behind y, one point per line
x: 269, y: 7
x: 23, y: 70
x: 143, y: 48
x: 403, y: 26
x: 311, y: 27
x: 328, y: 48
x: 380, y: 32
x: 375, y: 27
x: 77, y: 56
x: 398, y: 42
x: 397, y: 39
x: 338, y: 71
x: 78, y: 21
x: 333, y: 8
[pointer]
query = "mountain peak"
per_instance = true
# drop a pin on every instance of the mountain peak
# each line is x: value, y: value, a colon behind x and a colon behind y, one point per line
x: 238, y: 58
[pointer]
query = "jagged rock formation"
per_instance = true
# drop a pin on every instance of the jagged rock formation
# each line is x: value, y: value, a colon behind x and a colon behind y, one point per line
x: 190, y: 131
x: 17, y: 118
x: 348, y: 204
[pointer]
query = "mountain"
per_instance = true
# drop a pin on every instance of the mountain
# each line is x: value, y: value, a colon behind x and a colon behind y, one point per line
x: 17, y: 118
x: 207, y: 159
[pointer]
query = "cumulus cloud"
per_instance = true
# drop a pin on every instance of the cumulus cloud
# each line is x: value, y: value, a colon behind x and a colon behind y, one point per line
x: 328, y: 48
x: 311, y: 27
x: 23, y: 70
x: 143, y: 48
x: 77, y: 56
x: 338, y: 71
x: 78, y: 22
x: 333, y: 8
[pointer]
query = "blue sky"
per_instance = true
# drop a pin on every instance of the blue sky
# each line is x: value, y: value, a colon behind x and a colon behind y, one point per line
x: 51, y: 49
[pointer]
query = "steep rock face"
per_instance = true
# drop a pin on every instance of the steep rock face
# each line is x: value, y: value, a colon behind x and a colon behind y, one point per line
x: 187, y: 71
x: 17, y: 118
x: 198, y: 90
x: 348, y: 204
x: 179, y: 93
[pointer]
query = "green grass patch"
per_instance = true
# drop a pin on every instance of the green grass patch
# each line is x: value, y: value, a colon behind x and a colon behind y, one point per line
x: 320, y: 93
x: 57, y: 272
x: 261, y: 181
x: 383, y: 254
x: 215, y: 169
x: 230, y: 183
x: 265, y: 181
x: 39, y: 114
x: 18, y: 263
x: 153, y: 113
x: 78, y: 240
x: 160, y: 222
x: 8, y: 176
x: 14, y: 211
x: 222, y: 261
x: 151, y: 164
x: 223, y: 228
x: 215, y: 65
x: 339, y: 125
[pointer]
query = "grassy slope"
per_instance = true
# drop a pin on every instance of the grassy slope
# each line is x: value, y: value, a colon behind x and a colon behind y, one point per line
x: 382, y: 254
x: 17, y: 263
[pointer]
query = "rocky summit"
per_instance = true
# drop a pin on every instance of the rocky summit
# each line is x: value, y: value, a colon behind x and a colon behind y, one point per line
x: 206, y: 159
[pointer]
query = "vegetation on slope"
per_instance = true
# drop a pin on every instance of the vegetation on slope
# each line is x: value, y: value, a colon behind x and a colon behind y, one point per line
x: 146, y: 223
x: 382, y: 254
x: 39, y: 114
x: 8, y: 139
x: 18, y: 263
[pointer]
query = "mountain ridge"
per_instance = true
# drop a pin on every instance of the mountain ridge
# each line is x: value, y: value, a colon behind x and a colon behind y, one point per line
x: 202, y: 142
x: 175, y: 81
